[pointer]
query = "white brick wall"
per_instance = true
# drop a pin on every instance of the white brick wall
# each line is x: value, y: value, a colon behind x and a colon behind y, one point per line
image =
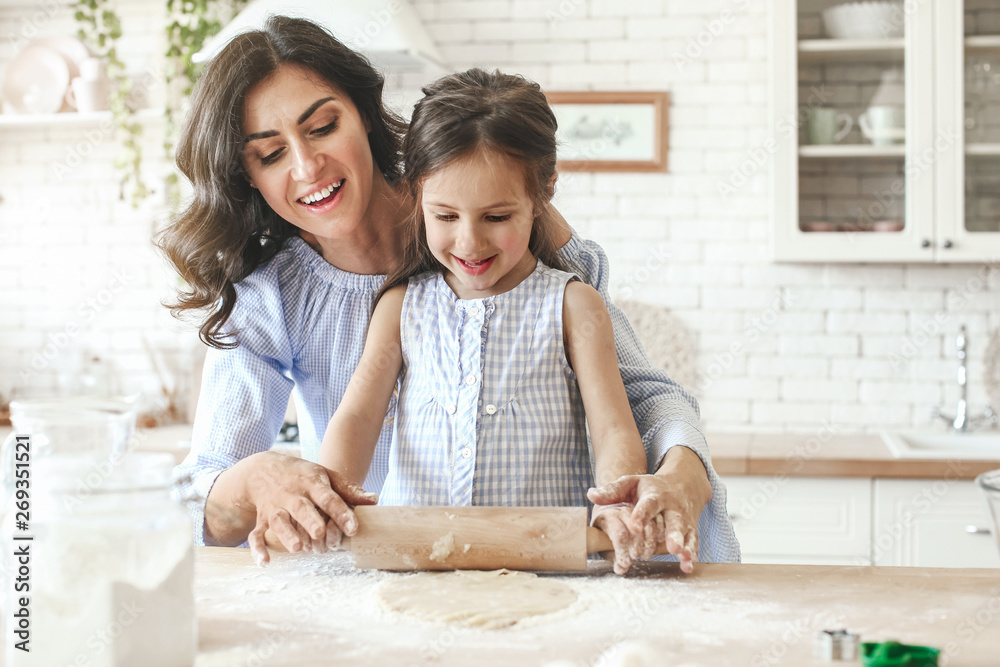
x: 859, y: 346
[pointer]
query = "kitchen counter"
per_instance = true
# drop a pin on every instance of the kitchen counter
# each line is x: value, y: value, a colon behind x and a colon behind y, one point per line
x: 819, y: 454
x: 823, y: 454
x: 311, y: 609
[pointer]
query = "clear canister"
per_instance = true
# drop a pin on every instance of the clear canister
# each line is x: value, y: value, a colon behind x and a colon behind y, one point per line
x: 101, y: 566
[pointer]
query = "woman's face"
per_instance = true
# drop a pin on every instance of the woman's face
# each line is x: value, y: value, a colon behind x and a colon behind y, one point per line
x: 306, y: 150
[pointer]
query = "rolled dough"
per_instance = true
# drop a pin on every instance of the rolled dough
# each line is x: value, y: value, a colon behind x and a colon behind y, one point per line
x: 487, y: 599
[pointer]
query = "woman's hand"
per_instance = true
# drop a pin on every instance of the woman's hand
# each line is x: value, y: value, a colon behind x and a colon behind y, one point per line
x: 665, y: 508
x: 302, y: 504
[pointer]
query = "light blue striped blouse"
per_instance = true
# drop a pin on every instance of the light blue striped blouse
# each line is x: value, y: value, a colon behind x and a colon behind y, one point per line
x: 301, y: 325
x: 489, y: 412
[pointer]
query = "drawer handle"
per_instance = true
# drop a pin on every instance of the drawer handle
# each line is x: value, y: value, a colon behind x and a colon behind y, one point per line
x: 976, y: 530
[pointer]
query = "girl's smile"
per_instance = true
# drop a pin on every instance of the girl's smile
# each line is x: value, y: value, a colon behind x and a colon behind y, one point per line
x: 479, y: 216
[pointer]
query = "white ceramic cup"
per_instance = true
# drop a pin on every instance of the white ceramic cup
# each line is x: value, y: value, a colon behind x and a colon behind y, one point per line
x: 883, y: 125
x: 827, y: 126
x: 88, y: 95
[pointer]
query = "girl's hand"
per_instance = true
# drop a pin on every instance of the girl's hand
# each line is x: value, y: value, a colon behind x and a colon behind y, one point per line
x: 665, y: 507
x: 615, y: 521
x: 302, y: 504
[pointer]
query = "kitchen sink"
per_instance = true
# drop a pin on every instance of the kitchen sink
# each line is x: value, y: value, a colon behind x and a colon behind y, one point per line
x: 981, y: 446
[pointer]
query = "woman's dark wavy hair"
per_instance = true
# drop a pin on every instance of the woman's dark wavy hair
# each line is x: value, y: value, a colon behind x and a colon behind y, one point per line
x: 476, y: 110
x: 228, y: 229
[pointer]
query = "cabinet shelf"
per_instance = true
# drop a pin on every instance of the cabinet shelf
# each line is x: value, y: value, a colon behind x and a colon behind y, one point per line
x: 985, y: 150
x: 866, y: 50
x: 852, y: 150
x: 982, y: 43
x: 70, y: 119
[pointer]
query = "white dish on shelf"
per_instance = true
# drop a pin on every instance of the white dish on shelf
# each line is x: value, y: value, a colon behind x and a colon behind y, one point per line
x: 73, y: 50
x: 865, y: 20
x: 36, y: 81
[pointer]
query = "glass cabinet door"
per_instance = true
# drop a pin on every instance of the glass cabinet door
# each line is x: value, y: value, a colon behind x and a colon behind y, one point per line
x: 968, y: 113
x: 981, y: 69
x: 862, y: 98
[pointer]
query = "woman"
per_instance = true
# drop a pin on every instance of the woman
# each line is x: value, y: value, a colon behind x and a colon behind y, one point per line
x: 295, y: 219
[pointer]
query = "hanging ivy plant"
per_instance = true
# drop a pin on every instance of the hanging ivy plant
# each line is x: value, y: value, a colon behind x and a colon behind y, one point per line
x: 100, y: 26
x: 190, y: 23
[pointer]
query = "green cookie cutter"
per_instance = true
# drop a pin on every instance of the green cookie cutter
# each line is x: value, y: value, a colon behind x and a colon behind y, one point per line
x: 894, y: 654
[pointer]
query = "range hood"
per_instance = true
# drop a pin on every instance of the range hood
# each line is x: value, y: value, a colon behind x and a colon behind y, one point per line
x: 389, y: 32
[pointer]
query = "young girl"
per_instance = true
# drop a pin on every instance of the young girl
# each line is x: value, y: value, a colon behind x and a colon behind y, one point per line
x: 496, y: 352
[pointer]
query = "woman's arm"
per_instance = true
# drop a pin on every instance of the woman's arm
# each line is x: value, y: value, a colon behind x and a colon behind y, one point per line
x: 353, y: 431
x: 668, y: 421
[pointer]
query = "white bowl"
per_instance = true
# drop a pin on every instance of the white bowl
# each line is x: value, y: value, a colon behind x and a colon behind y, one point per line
x: 865, y: 20
x: 36, y: 81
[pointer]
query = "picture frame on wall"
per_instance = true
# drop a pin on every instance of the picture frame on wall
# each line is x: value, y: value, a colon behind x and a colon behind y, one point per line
x: 611, y: 131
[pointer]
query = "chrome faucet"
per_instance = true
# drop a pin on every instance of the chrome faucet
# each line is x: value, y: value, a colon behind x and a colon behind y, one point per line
x: 961, y: 421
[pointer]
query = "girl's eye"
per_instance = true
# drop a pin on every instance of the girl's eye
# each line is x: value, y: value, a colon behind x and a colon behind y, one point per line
x: 498, y: 218
x: 447, y: 217
x: 271, y: 158
x: 326, y: 129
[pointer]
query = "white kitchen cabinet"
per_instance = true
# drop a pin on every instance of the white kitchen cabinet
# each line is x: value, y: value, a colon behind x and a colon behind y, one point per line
x: 932, y: 523
x: 940, y: 187
x: 801, y: 520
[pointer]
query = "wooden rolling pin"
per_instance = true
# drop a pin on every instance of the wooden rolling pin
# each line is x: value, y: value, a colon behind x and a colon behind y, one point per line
x: 474, y: 538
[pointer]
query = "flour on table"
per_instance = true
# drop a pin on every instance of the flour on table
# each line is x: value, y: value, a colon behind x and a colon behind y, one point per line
x: 486, y: 599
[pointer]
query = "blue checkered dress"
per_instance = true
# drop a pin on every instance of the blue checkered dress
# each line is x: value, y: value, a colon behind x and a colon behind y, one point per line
x: 301, y: 323
x: 489, y: 410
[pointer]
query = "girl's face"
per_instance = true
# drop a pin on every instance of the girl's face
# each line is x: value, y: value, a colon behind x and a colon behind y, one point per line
x: 478, y: 217
x: 306, y: 150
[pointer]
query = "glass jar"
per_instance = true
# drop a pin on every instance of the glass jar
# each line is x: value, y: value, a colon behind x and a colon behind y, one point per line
x: 104, y: 560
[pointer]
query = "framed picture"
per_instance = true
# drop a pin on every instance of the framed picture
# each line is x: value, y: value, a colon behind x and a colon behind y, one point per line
x: 611, y: 131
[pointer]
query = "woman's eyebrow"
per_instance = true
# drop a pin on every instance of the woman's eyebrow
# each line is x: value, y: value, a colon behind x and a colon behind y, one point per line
x: 303, y: 118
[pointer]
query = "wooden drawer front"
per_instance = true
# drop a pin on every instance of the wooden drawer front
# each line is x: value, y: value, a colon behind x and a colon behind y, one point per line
x: 926, y: 522
x: 801, y: 520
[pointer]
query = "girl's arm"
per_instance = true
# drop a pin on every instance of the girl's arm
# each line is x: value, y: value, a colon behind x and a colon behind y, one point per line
x: 590, y: 346
x: 353, y: 431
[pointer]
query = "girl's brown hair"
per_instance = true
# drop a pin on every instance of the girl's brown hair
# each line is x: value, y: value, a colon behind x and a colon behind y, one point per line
x: 228, y: 230
x: 479, y: 110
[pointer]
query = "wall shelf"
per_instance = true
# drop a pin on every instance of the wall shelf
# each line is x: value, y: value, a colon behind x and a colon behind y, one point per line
x: 866, y: 50
x: 852, y: 150
x: 985, y: 150
x: 982, y: 43
x: 70, y: 119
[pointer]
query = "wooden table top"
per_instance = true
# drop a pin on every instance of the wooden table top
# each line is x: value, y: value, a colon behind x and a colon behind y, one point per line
x: 311, y: 609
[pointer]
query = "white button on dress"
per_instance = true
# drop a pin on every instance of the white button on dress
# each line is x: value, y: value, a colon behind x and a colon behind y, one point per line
x: 471, y: 380
x: 466, y: 453
x: 491, y: 409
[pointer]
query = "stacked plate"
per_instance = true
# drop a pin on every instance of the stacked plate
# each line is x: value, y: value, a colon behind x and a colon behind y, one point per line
x: 865, y: 20
x: 39, y: 76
